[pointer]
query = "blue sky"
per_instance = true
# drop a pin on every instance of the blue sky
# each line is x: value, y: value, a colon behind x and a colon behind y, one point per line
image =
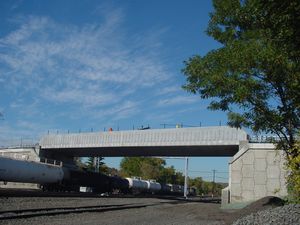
x: 82, y: 65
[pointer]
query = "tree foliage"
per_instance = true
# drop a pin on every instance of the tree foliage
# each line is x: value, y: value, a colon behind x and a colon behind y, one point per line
x: 206, y: 187
x: 169, y: 176
x: 154, y: 168
x: 294, y: 176
x: 150, y: 168
x: 145, y: 167
x: 91, y: 164
x: 110, y: 171
x: 255, y: 74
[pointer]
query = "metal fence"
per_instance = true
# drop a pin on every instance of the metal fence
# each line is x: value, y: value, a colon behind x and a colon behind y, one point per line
x: 19, y: 143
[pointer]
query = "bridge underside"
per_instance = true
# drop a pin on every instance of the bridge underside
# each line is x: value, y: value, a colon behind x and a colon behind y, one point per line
x: 215, y: 150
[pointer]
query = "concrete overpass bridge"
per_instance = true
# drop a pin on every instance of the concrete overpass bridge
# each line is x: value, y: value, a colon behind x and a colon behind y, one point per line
x: 255, y: 170
x: 200, y: 141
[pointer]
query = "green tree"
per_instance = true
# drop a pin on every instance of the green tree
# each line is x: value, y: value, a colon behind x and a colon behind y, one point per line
x: 79, y: 163
x: 145, y: 167
x: 294, y: 176
x: 150, y: 168
x: 207, y: 187
x: 110, y: 170
x: 256, y: 69
x: 130, y: 166
x: 167, y: 176
x: 255, y: 74
x: 197, y: 183
x: 179, y: 178
x: 91, y: 164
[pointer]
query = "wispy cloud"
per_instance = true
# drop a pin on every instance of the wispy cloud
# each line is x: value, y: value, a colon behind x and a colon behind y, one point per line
x: 125, y: 109
x: 16, y: 4
x: 94, y: 73
x: 21, y: 132
x: 169, y: 90
x: 90, y: 65
x: 177, y: 100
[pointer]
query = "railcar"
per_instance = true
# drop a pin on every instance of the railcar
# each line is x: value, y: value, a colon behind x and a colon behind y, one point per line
x: 15, y: 170
x: 153, y: 186
x: 119, y: 185
x: 57, y: 178
x: 98, y: 182
x: 166, y: 189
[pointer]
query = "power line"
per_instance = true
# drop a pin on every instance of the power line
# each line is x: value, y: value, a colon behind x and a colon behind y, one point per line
x: 198, y: 171
x: 203, y: 171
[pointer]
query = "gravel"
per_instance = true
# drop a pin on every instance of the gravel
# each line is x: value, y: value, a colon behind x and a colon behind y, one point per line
x: 284, y: 215
x: 16, y: 203
x: 158, y: 211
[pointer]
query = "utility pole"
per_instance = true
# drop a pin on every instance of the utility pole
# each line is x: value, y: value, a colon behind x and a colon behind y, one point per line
x: 186, y: 177
x: 214, y: 179
x: 96, y: 164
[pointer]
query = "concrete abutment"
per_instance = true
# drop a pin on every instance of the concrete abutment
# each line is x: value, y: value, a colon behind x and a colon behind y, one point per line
x: 256, y: 171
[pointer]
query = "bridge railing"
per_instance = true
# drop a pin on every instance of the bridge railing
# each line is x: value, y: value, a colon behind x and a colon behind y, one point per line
x: 18, y: 143
x: 51, y: 161
x: 264, y: 139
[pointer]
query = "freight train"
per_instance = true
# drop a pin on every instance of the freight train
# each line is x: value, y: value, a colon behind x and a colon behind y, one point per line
x: 58, y: 178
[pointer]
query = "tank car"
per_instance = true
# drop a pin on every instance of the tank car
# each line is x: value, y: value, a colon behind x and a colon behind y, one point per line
x: 136, y: 184
x: 177, y: 189
x: 57, y: 178
x: 98, y: 182
x: 153, y: 186
x: 14, y: 170
x: 166, y: 189
x: 119, y: 185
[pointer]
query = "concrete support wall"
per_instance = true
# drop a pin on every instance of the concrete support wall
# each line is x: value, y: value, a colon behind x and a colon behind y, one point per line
x: 30, y: 154
x: 256, y: 171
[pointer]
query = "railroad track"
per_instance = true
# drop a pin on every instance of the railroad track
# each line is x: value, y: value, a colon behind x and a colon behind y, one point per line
x: 27, y: 213
x: 38, y: 193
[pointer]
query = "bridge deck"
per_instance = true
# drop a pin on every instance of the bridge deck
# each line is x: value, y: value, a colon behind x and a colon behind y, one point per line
x: 202, y: 141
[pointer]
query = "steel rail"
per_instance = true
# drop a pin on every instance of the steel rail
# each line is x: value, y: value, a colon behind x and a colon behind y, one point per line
x: 27, y: 213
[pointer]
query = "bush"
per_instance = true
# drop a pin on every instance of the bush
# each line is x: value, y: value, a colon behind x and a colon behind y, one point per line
x: 293, y: 179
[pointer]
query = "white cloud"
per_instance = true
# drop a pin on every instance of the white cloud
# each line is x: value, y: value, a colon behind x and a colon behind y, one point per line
x: 170, y: 89
x: 86, y: 97
x: 22, y: 132
x: 178, y: 100
x: 123, y: 110
x: 60, y: 76
x: 90, y: 66
x: 16, y: 4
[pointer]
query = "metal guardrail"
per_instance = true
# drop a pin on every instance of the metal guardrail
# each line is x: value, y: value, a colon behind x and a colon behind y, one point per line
x: 21, y: 142
x: 264, y: 139
x: 51, y: 162
x: 18, y: 146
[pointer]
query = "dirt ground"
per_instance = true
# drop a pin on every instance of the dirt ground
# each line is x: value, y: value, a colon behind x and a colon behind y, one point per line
x: 156, y: 211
